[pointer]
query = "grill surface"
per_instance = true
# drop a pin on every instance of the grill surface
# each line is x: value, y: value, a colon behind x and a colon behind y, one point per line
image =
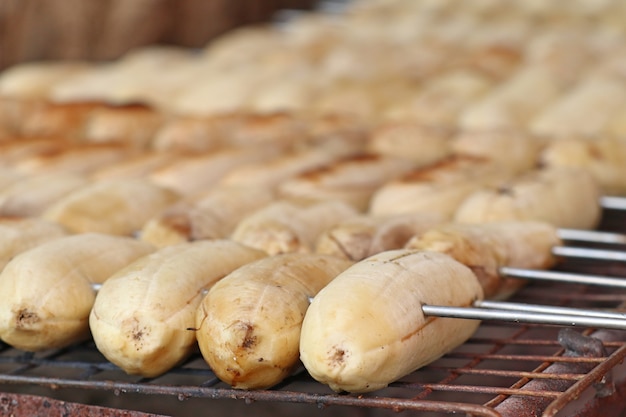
x: 505, y: 369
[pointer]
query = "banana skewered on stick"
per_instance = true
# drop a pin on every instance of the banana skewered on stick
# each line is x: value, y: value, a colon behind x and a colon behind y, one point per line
x: 513, y: 103
x: 603, y: 157
x: 133, y: 125
x: 272, y: 173
x: 289, y: 226
x: 438, y: 188
x: 485, y: 248
x: 19, y: 235
x: 359, y: 237
x: 13, y: 152
x: 442, y: 98
x: 119, y: 207
x: 47, y: 291
x: 214, y: 215
x: 585, y: 110
x: 32, y: 195
x: 338, y: 350
x: 35, y: 80
x: 193, y: 174
x: 365, y: 329
x: 564, y: 197
x: 143, y: 316
x: 421, y: 144
x: 248, y: 325
x: 8, y: 177
x: 352, y: 180
x: 74, y: 159
x: 137, y: 166
x: 491, y: 145
x: 40, y: 118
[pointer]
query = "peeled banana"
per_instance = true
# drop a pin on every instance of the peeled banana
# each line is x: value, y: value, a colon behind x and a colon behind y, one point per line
x: 366, y: 329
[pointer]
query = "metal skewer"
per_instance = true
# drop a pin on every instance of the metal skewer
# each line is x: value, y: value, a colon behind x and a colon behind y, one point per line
x: 586, y: 253
x: 606, y: 202
x: 535, y: 308
x: 564, y: 277
x: 613, y: 203
x: 593, y: 236
x: 523, y: 315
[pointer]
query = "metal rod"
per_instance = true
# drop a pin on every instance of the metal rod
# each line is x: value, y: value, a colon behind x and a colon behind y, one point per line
x: 602, y: 254
x: 613, y: 203
x: 477, y: 313
x: 592, y: 236
x: 564, y: 277
x: 535, y: 308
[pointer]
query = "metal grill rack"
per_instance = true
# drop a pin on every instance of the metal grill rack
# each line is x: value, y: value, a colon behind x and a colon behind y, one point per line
x: 505, y: 369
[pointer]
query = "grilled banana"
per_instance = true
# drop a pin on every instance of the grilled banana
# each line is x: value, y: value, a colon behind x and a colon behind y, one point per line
x: 366, y: 329
x: 248, y: 325
x: 213, y: 216
x: 118, y: 207
x: 359, y: 237
x: 565, y: 197
x: 603, y: 157
x: 19, y: 235
x: 143, y: 316
x: 287, y: 226
x: 47, y: 291
x: 438, y: 188
x: 487, y: 247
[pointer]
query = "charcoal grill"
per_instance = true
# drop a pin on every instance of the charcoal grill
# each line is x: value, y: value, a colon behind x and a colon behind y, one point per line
x: 505, y: 369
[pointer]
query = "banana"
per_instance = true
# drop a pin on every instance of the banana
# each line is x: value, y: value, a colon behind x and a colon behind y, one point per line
x: 32, y: 195
x: 422, y: 144
x: 366, y: 329
x: 118, y: 207
x: 19, y: 235
x: 352, y: 180
x: 188, y: 134
x: 131, y: 124
x: 192, y: 174
x: 143, y: 316
x: 75, y: 159
x: 359, y: 237
x: 437, y: 188
x: 34, y: 80
x: 440, y: 101
x: 563, y: 196
x: 603, y: 157
x: 213, y: 216
x: 492, y: 145
x: 275, y: 171
x: 47, y: 291
x: 586, y: 109
x: 248, y: 325
x: 487, y: 247
x: 513, y: 103
x: 55, y: 120
x: 289, y: 226
x: 137, y: 166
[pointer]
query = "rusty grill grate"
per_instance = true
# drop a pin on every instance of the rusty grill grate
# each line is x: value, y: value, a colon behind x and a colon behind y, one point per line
x: 503, y: 370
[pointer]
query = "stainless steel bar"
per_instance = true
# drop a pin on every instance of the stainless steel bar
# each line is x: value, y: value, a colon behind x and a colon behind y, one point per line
x: 586, y: 253
x: 592, y: 236
x: 613, y: 203
x: 565, y: 277
x: 476, y: 313
x: 547, y: 309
